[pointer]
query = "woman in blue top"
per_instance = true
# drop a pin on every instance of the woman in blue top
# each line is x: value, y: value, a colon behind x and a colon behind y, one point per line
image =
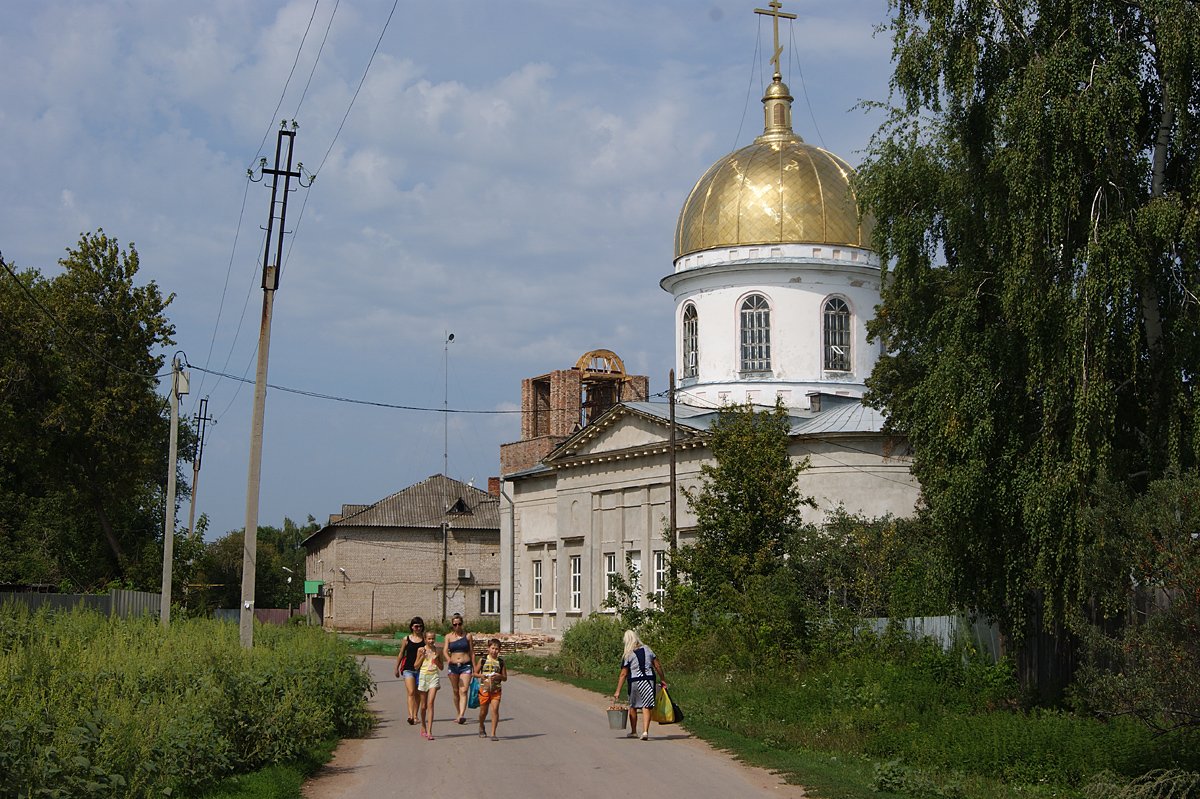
x: 459, y: 654
x: 639, y: 665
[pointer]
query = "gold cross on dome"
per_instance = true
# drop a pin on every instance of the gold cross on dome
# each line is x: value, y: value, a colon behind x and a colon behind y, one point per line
x: 776, y: 13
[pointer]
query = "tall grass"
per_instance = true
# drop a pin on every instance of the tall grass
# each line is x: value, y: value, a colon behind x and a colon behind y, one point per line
x: 935, y: 723
x: 98, y: 706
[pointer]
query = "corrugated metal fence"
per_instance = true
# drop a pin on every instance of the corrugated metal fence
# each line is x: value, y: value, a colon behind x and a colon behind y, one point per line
x: 125, y: 604
x: 948, y: 631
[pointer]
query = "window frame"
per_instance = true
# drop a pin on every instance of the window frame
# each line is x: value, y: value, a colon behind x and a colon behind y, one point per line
x: 754, y: 334
x: 837, y: 330
x: 691, y: 341
x: 489, y: 598
x: 660, y: 576
x: 537, y: 585
x: 576, y: 593
x: 610, y: 576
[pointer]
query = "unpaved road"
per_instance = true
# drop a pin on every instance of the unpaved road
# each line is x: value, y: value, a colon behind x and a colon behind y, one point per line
x: 554, y: 741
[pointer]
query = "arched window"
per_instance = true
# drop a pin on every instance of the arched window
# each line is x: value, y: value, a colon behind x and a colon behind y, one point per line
x: 691, y: 341
x: 756, y: 334
x: 837, y: 335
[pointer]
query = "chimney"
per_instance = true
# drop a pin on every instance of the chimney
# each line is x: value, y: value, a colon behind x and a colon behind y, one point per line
x: 494, y: 486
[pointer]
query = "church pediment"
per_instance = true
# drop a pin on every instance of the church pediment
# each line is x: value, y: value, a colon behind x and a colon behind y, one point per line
x: 621, y: 431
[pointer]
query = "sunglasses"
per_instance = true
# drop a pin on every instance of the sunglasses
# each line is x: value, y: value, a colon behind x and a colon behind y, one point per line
x: 456, y: 624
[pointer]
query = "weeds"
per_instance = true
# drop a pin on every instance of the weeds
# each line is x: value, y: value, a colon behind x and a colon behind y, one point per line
x: 98, y: 706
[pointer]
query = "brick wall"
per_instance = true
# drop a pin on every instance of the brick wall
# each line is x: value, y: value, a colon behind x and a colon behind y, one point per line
x: 393, y: 574
x: 523, y: 454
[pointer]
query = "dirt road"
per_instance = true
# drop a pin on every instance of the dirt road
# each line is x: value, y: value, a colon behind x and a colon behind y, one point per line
x: 554, y: 741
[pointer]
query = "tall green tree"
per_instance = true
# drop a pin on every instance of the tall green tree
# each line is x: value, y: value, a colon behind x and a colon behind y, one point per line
x: 83, y: 431
x: 739, y: 600
x: 278, y: 574
x: 1035, y: 193
x: 748, y: 506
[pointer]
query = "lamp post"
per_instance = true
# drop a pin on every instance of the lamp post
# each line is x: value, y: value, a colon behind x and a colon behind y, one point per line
x: 289, y: 590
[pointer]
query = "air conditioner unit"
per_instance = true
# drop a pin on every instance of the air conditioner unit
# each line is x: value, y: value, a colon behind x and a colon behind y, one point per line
x: 464, y: 574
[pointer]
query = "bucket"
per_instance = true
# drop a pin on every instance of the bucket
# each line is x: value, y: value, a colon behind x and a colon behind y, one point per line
x: 617, y: 719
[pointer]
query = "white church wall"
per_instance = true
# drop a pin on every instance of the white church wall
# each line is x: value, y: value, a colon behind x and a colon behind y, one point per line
x: 797, y: 292
x: 858, y: 473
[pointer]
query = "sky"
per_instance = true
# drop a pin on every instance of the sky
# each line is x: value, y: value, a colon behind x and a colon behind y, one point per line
x: 510, y: 171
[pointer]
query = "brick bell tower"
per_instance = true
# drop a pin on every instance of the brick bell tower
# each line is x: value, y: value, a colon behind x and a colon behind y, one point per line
x: 555, y: 406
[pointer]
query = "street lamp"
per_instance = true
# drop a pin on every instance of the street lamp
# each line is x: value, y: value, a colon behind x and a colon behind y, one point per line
x: 289, y: 591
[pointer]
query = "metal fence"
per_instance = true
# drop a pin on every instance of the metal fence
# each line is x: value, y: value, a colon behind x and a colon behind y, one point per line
x: 948, y: 631
x: 125, y: 604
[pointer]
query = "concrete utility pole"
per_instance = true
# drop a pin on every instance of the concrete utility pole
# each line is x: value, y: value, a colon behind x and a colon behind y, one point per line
x: 446, y: 468
x: 201, y: 418
x: 674, y: 519
x: 179, y: 386
x: 270, y: 282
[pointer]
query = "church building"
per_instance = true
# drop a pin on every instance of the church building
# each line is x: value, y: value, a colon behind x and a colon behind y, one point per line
x: 773, y: 281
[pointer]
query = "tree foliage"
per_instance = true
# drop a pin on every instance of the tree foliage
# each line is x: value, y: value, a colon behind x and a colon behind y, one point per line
x: 748, y: 506
x: 1035, y: 193
x: 738, y: 600
x: 83, y: 432
x: 1147, y: 668
x: 218, y: 576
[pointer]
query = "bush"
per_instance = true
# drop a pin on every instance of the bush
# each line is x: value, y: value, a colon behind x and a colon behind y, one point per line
x: 105, y: 707
x: 592, y: 647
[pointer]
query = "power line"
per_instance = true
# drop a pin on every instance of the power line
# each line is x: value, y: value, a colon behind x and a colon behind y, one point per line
x: 804, y: 88
x: 317, y: 60
x: 224, y: 288
x: 271, y: 124
x: 336, y: 398
x: 360, y: 85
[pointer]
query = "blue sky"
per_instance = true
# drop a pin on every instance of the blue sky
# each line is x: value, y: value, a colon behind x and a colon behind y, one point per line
x: 510, y: 172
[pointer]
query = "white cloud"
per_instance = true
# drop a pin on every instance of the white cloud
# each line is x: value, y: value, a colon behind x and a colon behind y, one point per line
x: 512, y: 173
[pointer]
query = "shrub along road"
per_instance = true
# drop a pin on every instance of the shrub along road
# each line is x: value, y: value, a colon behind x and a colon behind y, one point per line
x: 554, y: 739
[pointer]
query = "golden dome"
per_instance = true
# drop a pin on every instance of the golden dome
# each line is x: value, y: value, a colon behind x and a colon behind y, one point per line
x: 778, y: 190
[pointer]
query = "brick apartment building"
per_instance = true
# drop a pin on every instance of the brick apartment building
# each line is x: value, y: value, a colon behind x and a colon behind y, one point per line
x: 381, y: 564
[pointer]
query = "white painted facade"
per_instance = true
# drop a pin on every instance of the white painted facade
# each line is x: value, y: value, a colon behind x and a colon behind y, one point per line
x: 797, y: 282
x: 607, y: 496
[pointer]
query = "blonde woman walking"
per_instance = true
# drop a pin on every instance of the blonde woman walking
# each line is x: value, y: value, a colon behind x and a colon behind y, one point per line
x: 639, y: 665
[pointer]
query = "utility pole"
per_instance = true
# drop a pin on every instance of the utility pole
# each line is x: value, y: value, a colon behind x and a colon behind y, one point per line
x: 201, y: 418
x: 270, y: 283
x: 446, y: 468
x: 179, y: 386
x: 673, y: 531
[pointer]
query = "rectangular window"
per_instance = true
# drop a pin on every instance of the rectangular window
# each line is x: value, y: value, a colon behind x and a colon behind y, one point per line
x: 635, y: 577
x: 576, y: 582
x: 660, y: 576
x: 537, y: 584
x: 489, y: 601
x: 554, y: 584
x: 610, y: 576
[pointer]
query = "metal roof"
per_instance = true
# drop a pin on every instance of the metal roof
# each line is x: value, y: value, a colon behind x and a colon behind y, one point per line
x: 838, y: 414
x: 426, y: 505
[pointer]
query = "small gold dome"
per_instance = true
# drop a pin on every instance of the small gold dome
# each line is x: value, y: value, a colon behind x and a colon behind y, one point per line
x: 778, y: 190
